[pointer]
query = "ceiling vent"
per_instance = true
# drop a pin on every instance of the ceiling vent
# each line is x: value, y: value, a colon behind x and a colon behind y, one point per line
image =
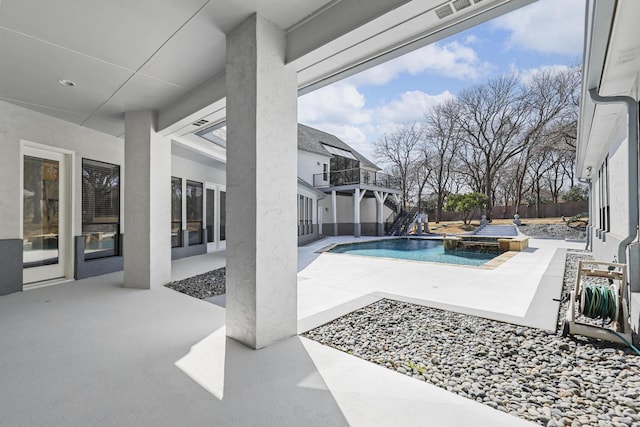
x: 461, y: 4
x: 444, y: 11
x: 201, y: 122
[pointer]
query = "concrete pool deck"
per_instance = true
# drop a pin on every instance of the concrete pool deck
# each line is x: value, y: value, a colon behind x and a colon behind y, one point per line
x: 90, y: 352
x: 520, y: 290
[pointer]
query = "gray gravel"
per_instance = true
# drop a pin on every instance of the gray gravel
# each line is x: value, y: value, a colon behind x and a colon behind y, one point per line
x: 526, y: 372
x: 202, y: 286
x: 551, y: 231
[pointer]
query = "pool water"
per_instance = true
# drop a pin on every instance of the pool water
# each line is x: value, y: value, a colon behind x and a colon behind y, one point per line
x: 413, y: 249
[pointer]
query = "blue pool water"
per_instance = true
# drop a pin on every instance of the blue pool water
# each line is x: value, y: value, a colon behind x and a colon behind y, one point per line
x: 413, y: 249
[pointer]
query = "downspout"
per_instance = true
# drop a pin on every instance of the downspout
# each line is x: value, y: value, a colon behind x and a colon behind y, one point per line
x: 634, y: 220
x: 588, y: 246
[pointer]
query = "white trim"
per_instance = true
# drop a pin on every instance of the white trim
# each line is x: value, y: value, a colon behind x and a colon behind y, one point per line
x: 217, y: 188
x: 46, y: 283
x: 66, y: 228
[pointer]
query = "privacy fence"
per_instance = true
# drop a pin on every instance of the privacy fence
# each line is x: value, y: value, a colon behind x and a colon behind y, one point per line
x: 547, y: 210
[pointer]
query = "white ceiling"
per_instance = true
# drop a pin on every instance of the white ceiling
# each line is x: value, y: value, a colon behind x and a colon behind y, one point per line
x: 122, y: 54
x: 169, y: 55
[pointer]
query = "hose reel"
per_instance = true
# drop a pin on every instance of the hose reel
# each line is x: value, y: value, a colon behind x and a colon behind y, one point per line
x: 600, y: 293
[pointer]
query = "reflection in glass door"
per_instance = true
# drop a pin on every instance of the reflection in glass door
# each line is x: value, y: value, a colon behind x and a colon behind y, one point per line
x: 43, y: 216
x: 223, y: 215
x: 210, y: 215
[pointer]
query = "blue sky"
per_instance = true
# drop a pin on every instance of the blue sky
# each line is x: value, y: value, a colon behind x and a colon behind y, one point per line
x: 361, y: 108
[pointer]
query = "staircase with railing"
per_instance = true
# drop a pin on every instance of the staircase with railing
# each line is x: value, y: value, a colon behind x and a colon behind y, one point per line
x: 401, y: 225
x: 391, y: 204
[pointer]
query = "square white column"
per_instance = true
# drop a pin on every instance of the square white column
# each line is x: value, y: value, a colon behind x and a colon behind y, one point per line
x: 147, y: 202
x: 356, y: 213
x: 261, y: 185
x: 334, y: 212
x: 380, y: 198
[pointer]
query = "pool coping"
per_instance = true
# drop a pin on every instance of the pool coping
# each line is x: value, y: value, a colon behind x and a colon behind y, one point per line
x: 542, y: 312
x: 491, y: 264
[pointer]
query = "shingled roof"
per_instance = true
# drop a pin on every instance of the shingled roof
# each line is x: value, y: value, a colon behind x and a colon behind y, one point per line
x: 311, y: 139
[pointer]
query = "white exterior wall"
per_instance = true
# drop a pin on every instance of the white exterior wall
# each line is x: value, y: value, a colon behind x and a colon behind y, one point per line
x: 19, y: 124
x: 368, y: 209
x: 345, y: 209
x: 310, y: 164
x: 619, y: 184
x: 605, y: 245
x: 194, y: 171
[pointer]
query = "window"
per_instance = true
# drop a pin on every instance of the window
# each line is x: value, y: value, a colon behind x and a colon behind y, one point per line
x: 603, y: 196
x: 100, y: 209
x: 305, y: 217
x: 603, y: 190
x: 223, y: 215
x: 325, y: 172
x: 176, y: 212
x: 194, y: 212
x: 210, y: 214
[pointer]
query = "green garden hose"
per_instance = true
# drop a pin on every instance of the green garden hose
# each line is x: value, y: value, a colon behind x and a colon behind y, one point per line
x: 600, y: 302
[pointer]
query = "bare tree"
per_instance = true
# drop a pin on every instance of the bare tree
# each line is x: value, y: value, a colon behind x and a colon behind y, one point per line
x: 491, y: 118
x: 398, y: 150
x: 440, y: 150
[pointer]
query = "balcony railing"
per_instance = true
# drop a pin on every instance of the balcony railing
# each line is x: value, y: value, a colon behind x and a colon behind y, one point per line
x: 356, y: 176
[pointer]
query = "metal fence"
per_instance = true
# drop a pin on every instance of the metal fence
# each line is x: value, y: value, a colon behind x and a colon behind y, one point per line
x: 353, y: 177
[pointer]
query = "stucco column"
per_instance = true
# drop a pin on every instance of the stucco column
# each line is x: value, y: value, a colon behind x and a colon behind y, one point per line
x: 356, y: 213
x: 334, y: 212
x: 380, y: 198
x: 261, y: 185
x: 147, y: 202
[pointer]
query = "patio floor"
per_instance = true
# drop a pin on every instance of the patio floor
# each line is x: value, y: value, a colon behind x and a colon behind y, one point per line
x: 91, y: 352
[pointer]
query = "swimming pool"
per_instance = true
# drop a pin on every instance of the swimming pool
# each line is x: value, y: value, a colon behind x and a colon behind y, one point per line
x: 413, y: 249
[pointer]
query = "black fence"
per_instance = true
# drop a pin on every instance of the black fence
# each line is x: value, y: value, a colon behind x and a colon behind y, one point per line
x: 353, y: 177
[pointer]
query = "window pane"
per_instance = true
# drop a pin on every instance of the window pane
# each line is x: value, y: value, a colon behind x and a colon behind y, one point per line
x: 223, y: 215
x: 194, y: 212
x: 40, y: 212
x: 176, y: 212
x: 211, y: 204
x: 100, y: 208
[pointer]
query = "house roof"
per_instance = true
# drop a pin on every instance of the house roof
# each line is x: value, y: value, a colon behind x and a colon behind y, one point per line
x: 312, y: 140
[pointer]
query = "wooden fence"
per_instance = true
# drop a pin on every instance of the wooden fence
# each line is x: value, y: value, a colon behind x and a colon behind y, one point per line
x: 548, y: 210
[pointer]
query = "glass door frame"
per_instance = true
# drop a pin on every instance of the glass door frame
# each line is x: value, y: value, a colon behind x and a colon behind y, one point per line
x: 36, y: 276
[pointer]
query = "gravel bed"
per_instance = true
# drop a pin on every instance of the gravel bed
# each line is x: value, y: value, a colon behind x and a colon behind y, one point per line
x: 202, y: 286
x: 523, y: 371
x: 551, y: 231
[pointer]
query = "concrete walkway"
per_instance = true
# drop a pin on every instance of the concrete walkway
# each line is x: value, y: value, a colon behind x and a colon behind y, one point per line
x: 90, y: 352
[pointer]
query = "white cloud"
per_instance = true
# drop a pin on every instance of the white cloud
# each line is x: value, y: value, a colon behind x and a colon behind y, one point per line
x: 340, y: 109
x: 525, y: 75
x: 410, y: 107
x: 451, y: 59
x: 547, y: 26
x: 471, y: 38
x: 340, y: 103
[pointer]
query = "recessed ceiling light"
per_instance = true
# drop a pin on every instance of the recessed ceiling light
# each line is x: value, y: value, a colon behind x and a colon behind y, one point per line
x: 64, y: 82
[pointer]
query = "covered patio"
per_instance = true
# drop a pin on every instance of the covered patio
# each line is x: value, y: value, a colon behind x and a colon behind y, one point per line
x: 92, y: 352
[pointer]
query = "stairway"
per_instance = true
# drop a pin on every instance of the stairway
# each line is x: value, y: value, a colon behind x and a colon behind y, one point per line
x: 402, y: 222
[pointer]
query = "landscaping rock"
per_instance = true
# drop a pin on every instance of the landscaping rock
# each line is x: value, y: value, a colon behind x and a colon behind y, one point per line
x: 526, y: 372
